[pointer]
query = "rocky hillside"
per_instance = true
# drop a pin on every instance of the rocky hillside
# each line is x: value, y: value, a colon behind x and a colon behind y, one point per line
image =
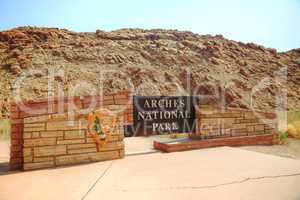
x: 154, y: 62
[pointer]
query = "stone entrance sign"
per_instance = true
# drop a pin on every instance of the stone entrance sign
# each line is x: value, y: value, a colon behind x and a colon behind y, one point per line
x: 52, y: 138
x: 164, y: 114
x: 70, y: 138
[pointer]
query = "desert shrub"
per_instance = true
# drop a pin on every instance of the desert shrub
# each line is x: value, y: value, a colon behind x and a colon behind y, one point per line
x: 283, y: 137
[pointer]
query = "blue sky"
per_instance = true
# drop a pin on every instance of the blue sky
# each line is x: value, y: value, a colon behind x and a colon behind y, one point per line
x: 272, y: 23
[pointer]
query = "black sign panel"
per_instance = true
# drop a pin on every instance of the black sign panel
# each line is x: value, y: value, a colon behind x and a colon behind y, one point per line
x: 164, y: 114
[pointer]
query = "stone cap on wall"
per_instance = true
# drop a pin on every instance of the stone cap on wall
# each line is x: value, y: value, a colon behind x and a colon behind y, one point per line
x: 209, y: 110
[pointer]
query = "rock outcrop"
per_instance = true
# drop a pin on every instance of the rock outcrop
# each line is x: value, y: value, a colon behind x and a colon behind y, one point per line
x: 154, y: 62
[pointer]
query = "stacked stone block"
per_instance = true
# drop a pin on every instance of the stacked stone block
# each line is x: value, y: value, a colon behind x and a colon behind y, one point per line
x: 21, y: 110
x: 62, y: 139
x: 233, y: 122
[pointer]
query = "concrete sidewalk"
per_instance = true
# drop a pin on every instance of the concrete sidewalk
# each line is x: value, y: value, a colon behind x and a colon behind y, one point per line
x: 4, y: 150
x: 4, y: 156
x: 219, y: 173
x: 140, y: 145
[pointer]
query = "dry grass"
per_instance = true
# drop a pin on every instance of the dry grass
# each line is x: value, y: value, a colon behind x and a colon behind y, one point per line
x: 4, y: 129
x: 293, y: 116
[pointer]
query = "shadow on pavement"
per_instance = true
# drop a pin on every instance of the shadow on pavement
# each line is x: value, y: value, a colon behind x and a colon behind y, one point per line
x: 4, y: 168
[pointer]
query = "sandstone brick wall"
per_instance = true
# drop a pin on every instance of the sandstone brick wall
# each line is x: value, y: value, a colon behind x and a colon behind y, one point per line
x: 62, y: 139
x: 61, y: 105
x: 267, y: 139
x: 211, y: 123
x: 232, y: 122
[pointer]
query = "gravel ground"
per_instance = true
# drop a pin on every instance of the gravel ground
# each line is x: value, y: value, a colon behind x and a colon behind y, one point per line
x: 291, y: 149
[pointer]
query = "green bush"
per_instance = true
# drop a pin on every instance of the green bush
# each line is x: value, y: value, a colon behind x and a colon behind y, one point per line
x: 283, y: 137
